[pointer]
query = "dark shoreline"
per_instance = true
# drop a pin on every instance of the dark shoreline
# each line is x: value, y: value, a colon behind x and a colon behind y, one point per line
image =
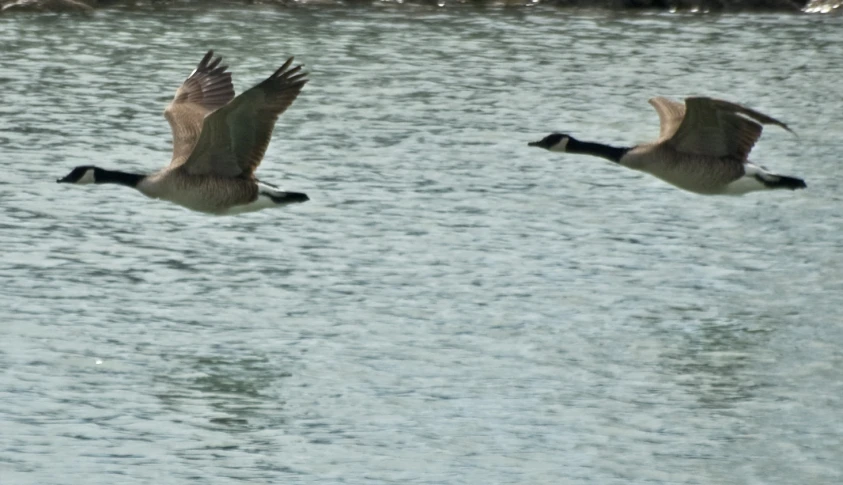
x: 815, y: 6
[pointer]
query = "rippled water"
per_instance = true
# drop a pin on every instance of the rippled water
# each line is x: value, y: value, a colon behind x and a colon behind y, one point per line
x: 451, y: 306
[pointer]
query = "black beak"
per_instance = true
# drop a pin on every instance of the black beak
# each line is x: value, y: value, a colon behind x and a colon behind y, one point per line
x: 535, y: 144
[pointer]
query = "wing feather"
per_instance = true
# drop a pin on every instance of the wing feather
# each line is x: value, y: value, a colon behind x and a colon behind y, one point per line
x: 206, y: 89
x: 670, y: 113
x: 719, y: 128
x: 235, y: 137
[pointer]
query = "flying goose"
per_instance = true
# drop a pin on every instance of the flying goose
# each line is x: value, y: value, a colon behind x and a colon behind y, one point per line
x: 218, y: 142
x: 702, y: 147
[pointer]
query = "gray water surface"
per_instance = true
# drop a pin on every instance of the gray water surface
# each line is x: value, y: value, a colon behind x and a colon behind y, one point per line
x: 451, y: 307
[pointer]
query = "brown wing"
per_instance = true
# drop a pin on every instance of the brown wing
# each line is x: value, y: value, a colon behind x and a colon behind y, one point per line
x: 234, y: 138
x: 719, y: 128
x: 670, y: 113
x: 206, y: 89
x: 723, y: 105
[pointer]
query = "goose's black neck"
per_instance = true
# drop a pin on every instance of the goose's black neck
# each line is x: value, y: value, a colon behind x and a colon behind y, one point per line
x: 597, y: 149
x: 102, y: 176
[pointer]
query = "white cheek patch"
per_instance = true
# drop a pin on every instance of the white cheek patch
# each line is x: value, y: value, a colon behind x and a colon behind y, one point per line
x: 561, y: 146
x: 88, y: 178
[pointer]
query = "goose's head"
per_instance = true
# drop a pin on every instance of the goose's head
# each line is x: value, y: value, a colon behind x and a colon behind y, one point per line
x: 82, y: 175
x: 555, y: 142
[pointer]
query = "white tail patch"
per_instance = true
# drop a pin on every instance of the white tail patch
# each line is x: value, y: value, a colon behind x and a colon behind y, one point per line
x: 749, y: 182
x: 263, y: 200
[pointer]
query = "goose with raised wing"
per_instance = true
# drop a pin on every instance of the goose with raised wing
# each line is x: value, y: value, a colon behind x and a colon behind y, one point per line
x: 218, y: 142
x: 703, y: 147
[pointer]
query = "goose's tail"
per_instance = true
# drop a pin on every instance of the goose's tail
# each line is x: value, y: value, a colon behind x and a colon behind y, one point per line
x: 278, y: 196
x: 774, y: 181
x: 756, y: 177
x: 284, y: 198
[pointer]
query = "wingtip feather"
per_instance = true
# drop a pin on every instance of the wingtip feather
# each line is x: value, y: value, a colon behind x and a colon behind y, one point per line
x: 208, y: 56
x: 283, y: 69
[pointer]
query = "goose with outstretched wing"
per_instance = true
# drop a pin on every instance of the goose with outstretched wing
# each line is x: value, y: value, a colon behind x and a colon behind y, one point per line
x: 218, y: 142
x: 703, y: 147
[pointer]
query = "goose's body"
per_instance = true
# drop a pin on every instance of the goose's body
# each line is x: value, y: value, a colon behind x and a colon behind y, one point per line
x: 703, y: 147
x: 218, y: 142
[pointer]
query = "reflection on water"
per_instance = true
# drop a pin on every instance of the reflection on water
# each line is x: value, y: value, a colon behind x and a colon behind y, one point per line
x: 717, y: 364
x: 451, y: 306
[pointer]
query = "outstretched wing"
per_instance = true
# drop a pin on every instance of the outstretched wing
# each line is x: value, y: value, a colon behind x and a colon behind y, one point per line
x: 670, y: 115
x: 206, y: 89
x: 234, y: 138
x: 719, y: 128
